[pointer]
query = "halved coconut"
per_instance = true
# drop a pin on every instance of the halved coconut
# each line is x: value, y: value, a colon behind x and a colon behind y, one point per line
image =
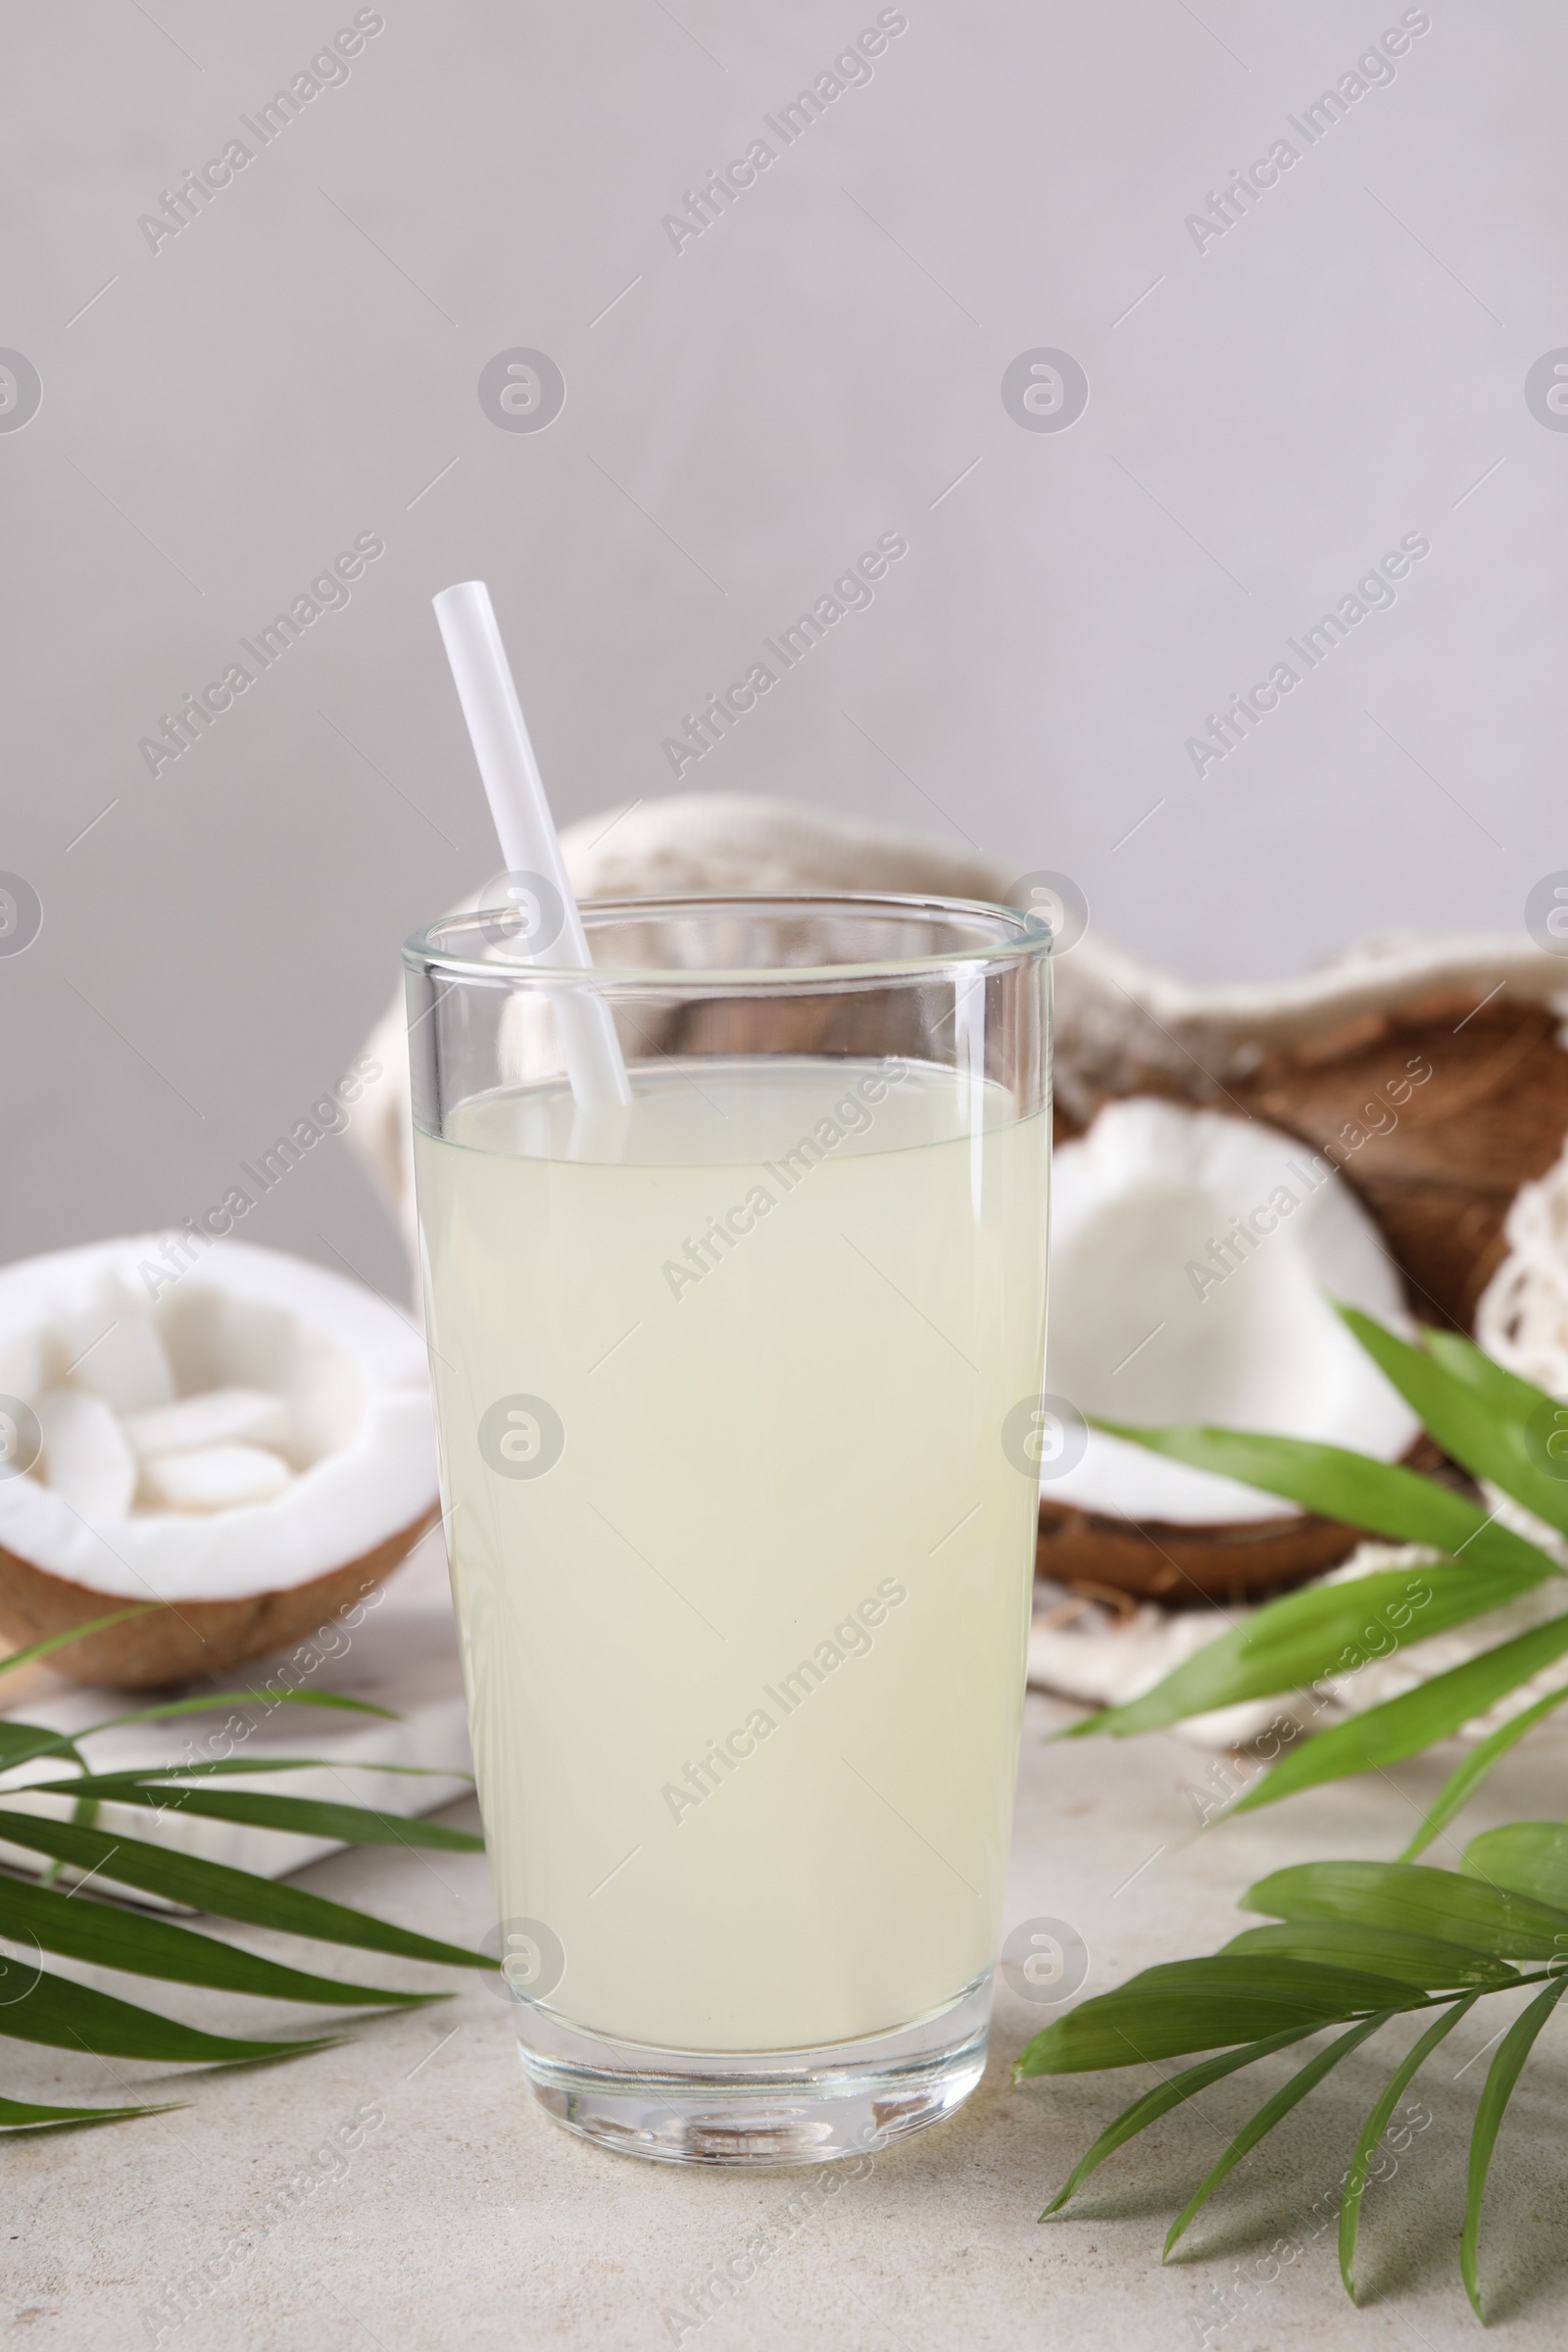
x: 1194, y: 1260
x: 247, y: 1443
x: 1431, y: 1070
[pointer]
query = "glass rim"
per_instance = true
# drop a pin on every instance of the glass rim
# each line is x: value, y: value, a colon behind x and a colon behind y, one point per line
x: 1019, y: 937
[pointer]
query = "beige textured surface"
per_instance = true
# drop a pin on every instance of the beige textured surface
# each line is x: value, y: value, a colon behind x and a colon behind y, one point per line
x: 468, y: 2219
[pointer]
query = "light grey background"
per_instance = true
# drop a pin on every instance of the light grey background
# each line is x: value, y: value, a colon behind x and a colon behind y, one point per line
x: 299, y: 364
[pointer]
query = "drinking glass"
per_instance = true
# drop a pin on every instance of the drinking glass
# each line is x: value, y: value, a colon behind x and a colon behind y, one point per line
x: 738, y: 1398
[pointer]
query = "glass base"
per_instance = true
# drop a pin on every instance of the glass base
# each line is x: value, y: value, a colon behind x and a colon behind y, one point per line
x: 788, y: 2107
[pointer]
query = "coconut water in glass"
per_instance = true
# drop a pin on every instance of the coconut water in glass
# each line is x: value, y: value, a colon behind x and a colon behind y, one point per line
x: 733, y: 1393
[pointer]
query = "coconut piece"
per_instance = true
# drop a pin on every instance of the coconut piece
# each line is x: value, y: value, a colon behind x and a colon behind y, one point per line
x: 1431, y: 1070
x: 113, y: 1349
x: 212, y: 1477
x: 244, y: 1562
x: 216, y: 1417
x: 87, y: 1458
x: 1194, y: 1262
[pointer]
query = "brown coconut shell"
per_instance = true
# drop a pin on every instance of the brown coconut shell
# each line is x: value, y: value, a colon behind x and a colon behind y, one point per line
x: 183, y: 1641
x: 1437, y: 1170
x: 1185, y: 1567
x: 1439, y: 1180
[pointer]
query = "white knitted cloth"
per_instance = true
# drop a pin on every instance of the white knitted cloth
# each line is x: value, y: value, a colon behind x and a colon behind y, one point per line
x: 1523, y: 1316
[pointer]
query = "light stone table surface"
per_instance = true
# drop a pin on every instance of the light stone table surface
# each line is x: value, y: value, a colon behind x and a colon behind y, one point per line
x: 466, y: 2218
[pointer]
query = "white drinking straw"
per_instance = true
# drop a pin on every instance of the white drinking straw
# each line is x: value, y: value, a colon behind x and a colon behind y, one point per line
x: 529, y: 843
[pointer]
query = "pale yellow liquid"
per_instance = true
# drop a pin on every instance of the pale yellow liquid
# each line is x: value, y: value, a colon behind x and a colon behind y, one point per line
x: 783, y: 1502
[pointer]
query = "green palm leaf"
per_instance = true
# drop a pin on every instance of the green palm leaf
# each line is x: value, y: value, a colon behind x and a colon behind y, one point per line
x: 110, y: 1938
x: 60, y: 2012
x: 22, y: 2114
x: 77, y: 1633
x: 1428, y: 1938
x: 226, y: 1893
x: 1488, y: 1443
x: 1161, y: 2100
x: 1503, y: 1391
x: 1418, y: 1901
x: 77, y: 2017
x: 1483, y: 1415
x: 21, y: 1743
x: 1377, y: 2123
x: 1530, y: 1859
x: 1402, y: 1727
x: 1336, y: 1484
x: 1501, y: 2076
x: 1341, y: 1913
x: 304, y: 1816
x: 1268, y: 2115
x: 1324, y: 1629
x: 269, y: 1695
x: 1425, y: 1961
x: 1191, y: 2005
x: 1463, y: 1784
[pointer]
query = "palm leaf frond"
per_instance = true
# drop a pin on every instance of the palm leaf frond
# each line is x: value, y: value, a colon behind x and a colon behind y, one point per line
x: 1359, y: 1943
x: 94, y: 1928
x: 1490, y: 1422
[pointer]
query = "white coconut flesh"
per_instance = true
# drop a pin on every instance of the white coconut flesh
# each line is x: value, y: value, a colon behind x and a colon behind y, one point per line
x: 260, y: 1423
x: 1148, y: 1326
